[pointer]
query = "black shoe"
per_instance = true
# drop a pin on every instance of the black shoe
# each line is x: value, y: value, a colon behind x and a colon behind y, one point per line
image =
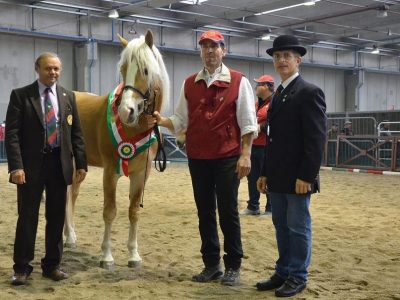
x: 291, y: 287
x: 270, y: 284
x: 19, y: 279
x: 208, y: 274
x: 56, y: 275
x: 231, y: 277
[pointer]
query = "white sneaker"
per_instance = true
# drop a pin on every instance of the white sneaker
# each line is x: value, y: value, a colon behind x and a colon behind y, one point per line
x: 266, y: 214
x: 250, y: 212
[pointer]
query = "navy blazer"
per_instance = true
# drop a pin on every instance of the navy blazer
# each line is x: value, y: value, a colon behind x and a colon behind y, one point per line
x: 296, y: 137
x: 25, y: 133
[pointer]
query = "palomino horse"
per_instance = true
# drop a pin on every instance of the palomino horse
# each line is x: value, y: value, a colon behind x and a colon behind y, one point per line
x: 118, y: 138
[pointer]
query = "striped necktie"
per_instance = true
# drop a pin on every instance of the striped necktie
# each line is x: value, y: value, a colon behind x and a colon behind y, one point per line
x: 275, y: 100
x: 50, y: 120
x: 279, y: 89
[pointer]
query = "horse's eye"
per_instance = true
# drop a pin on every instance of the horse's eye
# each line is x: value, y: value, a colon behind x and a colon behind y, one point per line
x: 146, y: 72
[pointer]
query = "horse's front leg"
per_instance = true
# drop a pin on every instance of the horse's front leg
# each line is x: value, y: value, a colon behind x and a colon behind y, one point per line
x: 137, y: 176
x: 110, y: 179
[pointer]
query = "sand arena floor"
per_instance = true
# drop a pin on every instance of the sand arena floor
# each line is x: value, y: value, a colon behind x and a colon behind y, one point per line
x: 356, y: 252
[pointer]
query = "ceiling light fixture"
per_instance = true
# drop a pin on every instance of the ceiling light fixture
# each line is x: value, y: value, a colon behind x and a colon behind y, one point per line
x: 375, y: 49
x: 193, y: 2
x: 266, y: 37
x: 382, y: 11
x: 132, y: 30
x: 287, y: 7
x: 310, y: 2
x: 113, y: 14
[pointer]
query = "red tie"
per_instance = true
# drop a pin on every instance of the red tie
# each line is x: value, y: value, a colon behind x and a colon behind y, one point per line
x: 50, y: 120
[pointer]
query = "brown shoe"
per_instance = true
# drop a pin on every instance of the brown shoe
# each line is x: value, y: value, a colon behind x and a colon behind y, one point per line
x: 19, y: 279
x: 56, y: 275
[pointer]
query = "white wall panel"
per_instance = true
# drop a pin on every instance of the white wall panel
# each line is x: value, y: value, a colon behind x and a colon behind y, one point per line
x: 322, y: 56
x: 241, y: 46
x: 345, y: 58
x: 184, y: 40
x: 107, y: 67
x: 17, y: 59
x: 54, y: 22
x: 14, y: 16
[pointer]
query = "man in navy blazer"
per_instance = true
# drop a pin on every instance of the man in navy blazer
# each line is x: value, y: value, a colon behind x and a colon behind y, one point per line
x: 35, y: 165
x: 296, y: 129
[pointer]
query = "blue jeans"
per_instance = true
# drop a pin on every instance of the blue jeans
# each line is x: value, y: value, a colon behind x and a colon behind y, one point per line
x: 257, y: 160
x: 292, y: 221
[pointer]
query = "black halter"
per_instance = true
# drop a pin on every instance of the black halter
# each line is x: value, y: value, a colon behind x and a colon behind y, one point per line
x: 149, y: 105
x: 149, y: 99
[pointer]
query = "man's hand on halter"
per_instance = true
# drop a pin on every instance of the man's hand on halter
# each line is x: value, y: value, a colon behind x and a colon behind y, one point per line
x: 147, y: 121
x: 163, y: 121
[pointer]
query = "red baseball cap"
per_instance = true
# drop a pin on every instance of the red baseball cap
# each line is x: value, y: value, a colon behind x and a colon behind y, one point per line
x: 212, y: 35
x: 264, y: 78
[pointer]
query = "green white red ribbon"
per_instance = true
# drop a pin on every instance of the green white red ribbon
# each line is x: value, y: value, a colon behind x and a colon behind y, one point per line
x: 127, y: 148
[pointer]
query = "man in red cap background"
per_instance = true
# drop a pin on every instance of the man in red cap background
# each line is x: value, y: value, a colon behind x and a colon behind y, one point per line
x: 264, y: 92
x: 216, y: 108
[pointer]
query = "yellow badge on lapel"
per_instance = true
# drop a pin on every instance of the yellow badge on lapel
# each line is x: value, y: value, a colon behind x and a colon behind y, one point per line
x: 69, y: 119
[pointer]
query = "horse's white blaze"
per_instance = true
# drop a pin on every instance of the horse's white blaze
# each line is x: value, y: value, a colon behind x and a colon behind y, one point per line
x: 132, y: 244
x: 106, y: 245
x: 129, y: 110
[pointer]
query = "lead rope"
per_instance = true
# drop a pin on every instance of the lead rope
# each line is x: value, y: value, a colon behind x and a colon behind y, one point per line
x: 162, y: 165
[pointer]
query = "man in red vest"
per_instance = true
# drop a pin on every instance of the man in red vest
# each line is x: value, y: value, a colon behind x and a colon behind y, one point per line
x: 264, y: 92
x: 216, y: 108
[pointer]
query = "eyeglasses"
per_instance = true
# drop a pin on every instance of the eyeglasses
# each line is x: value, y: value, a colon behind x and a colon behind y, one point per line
x: 267, y: 84
x: 212, y: 46
x: 286, y: 56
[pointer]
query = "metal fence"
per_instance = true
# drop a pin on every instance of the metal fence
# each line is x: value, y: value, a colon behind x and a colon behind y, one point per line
x: 362, y: 142
x: 364, y: 152
x: 358, y: 125
x: 172, y: 150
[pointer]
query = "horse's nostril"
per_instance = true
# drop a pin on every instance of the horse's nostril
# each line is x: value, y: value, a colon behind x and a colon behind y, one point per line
x: 131, y: 111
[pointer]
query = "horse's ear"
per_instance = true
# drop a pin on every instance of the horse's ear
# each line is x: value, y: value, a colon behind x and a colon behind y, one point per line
x: 123, y: 41
x: 149, y: 38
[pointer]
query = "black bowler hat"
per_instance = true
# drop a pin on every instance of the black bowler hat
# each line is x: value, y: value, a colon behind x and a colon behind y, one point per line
x: 287, y: 42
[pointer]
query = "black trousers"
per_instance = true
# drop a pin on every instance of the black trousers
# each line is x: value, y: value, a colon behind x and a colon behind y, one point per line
x: 215, y: 185
x: 29, y: 197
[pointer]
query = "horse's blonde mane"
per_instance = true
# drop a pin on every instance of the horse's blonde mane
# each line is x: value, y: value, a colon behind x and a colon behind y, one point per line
x: 149, y: 59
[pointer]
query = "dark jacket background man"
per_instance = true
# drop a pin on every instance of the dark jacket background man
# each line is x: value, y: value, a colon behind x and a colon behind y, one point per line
x: 43, y: 141
x: 296, y: 128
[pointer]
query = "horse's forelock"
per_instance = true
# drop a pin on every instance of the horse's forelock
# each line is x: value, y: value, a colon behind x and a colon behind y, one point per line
x: 149, y: 59
x: 138, y: 50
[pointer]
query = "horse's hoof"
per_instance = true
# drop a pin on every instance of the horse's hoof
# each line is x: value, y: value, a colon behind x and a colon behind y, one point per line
x: 134, y: 263
x: 70, y: 245
x: 107, y: 265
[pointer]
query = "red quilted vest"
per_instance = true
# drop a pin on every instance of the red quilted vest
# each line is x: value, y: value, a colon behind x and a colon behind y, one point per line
x: 213, y: 131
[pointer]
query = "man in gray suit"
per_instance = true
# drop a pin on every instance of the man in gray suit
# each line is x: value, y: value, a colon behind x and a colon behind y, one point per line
x: 43, y: 140
x: 296, y: 129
